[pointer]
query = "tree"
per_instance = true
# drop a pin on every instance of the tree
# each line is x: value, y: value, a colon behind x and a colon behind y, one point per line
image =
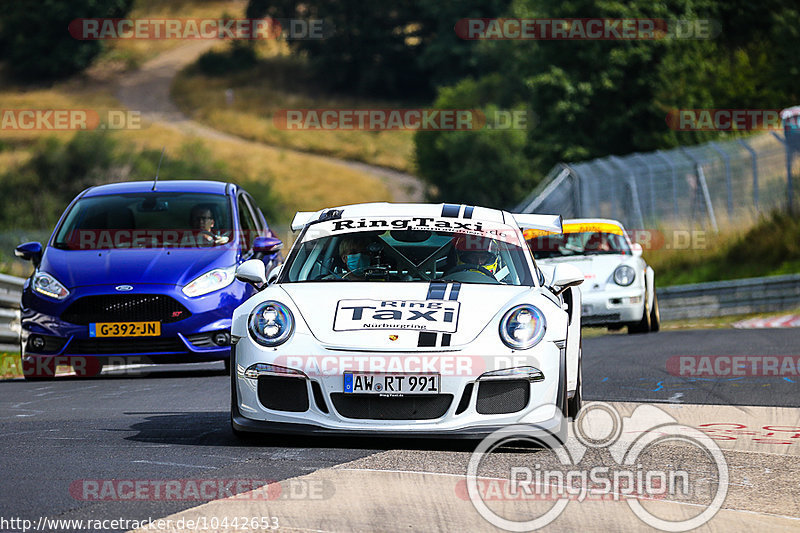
x: 35, y: 37
x: 596, y: 98
x: 400, y: 49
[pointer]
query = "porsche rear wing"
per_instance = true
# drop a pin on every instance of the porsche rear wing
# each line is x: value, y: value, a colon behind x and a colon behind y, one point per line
x: 545, y: 223
x: 301, y: 218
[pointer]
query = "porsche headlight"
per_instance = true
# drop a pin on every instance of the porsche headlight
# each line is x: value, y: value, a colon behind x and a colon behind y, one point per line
x: 44, y: 283
x: 624, y: 275
x: 522, y: 327
x: 271, y: 323
x: 211, y: 281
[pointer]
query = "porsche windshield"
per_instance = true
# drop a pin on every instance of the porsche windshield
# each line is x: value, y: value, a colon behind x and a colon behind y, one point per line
x: 409, y: 255
x: 146, y: 220
x: 579, y: 243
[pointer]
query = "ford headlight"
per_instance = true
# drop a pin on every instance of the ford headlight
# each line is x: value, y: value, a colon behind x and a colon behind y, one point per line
x: 522, y: 327
x: 44, y: 283
x: 271, y: 323
x: 624, y: 275
x: 211, y: 281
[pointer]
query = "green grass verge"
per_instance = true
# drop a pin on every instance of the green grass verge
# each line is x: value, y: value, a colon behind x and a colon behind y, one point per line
x: 10, y: 365
x: 276, y: 81
x: 770, y: 248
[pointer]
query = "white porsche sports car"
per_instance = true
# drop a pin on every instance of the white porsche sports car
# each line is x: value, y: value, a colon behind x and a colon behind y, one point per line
x: 619, y: 288
x: 407, y: 320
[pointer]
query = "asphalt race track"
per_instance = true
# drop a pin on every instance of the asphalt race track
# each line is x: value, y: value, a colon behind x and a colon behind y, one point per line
x: 172, y: 424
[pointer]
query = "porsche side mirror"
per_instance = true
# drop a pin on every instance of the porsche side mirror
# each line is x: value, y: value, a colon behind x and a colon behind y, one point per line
x: 253, y: 272
x: 273, y: 274
x: 636, y: 249
x: 566, y: 276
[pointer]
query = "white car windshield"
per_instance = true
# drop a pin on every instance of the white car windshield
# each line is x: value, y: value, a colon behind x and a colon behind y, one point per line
x: 410, y: 255
x: 579, y: 243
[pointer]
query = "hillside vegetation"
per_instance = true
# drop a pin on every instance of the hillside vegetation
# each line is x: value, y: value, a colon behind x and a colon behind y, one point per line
x: 770, y: 248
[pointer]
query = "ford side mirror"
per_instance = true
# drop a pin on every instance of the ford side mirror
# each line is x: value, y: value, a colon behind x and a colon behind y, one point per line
x: 636, y: 249
x: 566, y: 276
x: 266, y: 245
x: 30, y: 251
x: 253, y: 272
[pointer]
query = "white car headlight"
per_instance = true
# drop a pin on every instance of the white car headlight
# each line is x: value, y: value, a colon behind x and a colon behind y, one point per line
x: 271, y: 323
x: 213, y: 280
x: 624, y: 275
x: 522, y: 327
x: 44, y: 283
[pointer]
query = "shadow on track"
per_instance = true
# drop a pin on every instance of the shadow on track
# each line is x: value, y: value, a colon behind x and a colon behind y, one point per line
x: 213, y: 429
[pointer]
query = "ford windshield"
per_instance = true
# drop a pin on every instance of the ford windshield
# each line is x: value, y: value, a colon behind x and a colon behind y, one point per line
x: 146, y: 220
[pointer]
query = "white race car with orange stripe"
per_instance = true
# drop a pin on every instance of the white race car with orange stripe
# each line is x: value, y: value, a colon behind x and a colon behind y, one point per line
x: 620, y: 287
x: 407, y: 320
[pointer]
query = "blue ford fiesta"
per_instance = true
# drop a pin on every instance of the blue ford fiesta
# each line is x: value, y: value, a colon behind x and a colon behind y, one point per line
x: 143, y: 272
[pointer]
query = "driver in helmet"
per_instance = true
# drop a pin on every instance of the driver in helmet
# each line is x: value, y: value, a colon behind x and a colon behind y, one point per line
x: 355, y: 255
x: 476, y: 254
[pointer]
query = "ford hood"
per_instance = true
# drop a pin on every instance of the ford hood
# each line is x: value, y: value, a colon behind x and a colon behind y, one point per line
x: 173, y: 266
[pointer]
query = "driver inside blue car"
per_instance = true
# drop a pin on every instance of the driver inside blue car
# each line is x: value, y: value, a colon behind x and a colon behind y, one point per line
x: 202, y: 221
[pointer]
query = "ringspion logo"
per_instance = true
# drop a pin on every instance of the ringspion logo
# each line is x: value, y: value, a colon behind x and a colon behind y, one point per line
x: 549, y: 480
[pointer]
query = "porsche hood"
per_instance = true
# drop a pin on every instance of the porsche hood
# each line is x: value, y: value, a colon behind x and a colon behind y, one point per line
x: 400, y: 316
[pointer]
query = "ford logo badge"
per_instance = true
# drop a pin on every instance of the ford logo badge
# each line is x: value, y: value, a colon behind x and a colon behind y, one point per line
x: 124, y: 288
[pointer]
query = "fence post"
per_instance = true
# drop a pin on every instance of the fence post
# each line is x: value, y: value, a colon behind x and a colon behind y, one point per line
x: 614, y: 189
x: 701, y: 178
x: 652, y: 191
x: 668, y: 161
x: 754, y: 156
x: 789, y: 191
x: 585, y: 178
x: 631, y: 179
x: 577, y: 192
x: 530, y: 204
x: 728, y: 185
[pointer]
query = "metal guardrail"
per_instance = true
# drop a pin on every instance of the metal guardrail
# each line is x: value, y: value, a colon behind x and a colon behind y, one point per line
x: 734, y: 297
x: 10, y: 293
